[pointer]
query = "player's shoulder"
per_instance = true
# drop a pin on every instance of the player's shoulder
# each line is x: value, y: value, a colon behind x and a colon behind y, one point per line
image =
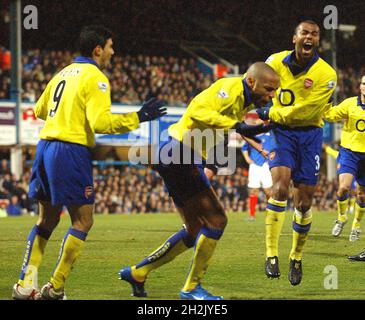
x: 350, y: 100
x: 228, y: 86
x: 323, y: 74
x: 230, y: 81
x: 87, y: 71
x: 278, y: 56
x: 326, y: 67
x: 94, y: 78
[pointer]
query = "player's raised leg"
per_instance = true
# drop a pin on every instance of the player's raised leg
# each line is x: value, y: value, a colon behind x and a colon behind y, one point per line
x: 345, y: 182
x: 73, y: 241
x: 275, y: 216
x: 27, y: 286
x: 169, y: 250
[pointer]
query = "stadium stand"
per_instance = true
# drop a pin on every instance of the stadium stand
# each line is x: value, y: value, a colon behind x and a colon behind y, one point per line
x: 143, y: 67
x: 135, y: 78
x: 134, y: 190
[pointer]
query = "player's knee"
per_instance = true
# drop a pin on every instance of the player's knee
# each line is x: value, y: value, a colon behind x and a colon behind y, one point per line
x: 361, y: 196
x: 83, y: 225
x: 48, y: 223
x: 223, y: 222
x: 280, y: 192
x: 219, y: 221
x: 193, y: 230
x: 88, y: 224
x: 343, y: 190
x: 303, y: 208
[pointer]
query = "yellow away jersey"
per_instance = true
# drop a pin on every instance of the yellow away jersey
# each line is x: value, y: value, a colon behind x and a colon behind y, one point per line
x: 76, y: 104
x: 220, y: 106
x: 353, y: 133
x: 332, y: 152
x: 304, y: 95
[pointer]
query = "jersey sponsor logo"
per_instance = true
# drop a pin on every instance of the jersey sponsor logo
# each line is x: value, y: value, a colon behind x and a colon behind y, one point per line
x: 222, y: 94
x: 286, y: 97
x: 308, y: 83
x: 331, y: 84
x: 103, y: 86
x: 88, y: 191
x: 360, y: 125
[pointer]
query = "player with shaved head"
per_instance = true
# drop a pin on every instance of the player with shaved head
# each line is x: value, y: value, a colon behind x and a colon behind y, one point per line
x: 219, y: 107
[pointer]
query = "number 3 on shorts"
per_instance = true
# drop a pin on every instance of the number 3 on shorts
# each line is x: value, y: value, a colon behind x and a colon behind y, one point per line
x: 318, y: 162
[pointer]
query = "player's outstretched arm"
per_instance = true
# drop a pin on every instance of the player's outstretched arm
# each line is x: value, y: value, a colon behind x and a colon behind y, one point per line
x: 320, y: 97
x: 100, y: 118
x: 151, y: 110
x: 251, y: 131
x: 337, y: 113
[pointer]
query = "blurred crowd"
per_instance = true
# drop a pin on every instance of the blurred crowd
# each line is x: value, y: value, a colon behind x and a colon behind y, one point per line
x: 134, y: 79
x: 134, y: 190
x: 14, y: 199
x: 349, y: 82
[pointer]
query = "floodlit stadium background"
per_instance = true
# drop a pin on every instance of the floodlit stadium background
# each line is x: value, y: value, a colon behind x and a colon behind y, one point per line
x: 169, y: 49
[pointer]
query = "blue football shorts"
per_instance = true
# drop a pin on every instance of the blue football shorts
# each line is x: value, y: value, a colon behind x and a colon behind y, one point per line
x: 352, y: 162
x: 300, y: 150
x: 182, y: 180
x: 62, y: 174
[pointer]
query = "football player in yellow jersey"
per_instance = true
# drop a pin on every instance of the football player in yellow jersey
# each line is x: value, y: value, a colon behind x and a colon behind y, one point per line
x: 351, y: 159
x: 306, y: 86
x: 219, y: 107
x: 343, y: 198
x: 75, y: 105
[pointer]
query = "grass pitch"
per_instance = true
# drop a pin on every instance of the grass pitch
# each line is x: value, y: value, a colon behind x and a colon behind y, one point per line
x: 236, y: 270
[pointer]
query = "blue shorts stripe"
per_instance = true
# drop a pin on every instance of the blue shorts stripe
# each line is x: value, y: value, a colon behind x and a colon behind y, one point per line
x: 300, y: 228
x: 343, y: 198
x: 78, y: 234
x: 275, y: 208
x: 211, y: 233
x: 360, y: 204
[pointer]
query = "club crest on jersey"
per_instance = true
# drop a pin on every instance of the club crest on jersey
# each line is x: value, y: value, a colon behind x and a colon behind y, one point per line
x: 308, y: 83
x: 88, y: 191
x: 222, y: 94
x: 103, y: 86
